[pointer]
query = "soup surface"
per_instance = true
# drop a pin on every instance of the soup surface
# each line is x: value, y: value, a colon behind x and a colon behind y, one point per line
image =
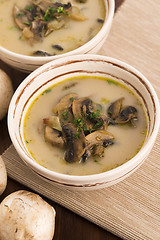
x: 51, y: 28
x: 124, y: 126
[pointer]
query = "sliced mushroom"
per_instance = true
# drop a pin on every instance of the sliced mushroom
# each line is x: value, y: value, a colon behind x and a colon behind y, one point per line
x: 27, y: 34
x: 94, y: 116
x: 53, y: 136
x: 53, y: 122
x: 97, y: 138
x: 40, y: 53
x: 75, y: 142
x: 114, y: 109
x: 19, y: 17
x: 126, y: 115
x: 81, y: 106
x: 54, y: 25
x: 65, y: 6
x: 31, y: 12
x: 98, y: 150
x: 42, y: 4
x: 107, y: 142
x: 37, y: 18
x: 81, y: 109
x: 45, y: 4
x: 65, y: 116
x: 38, y: 27
x: 57, y: 47
x: 65, y: 103
x: 100, y: 20
x: 76, y: 14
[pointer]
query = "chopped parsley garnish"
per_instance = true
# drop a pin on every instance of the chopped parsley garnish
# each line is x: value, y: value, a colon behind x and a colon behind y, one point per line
x: 112, y: 82
x: 27, y: 141
x: 61, y: 10
x: 65, y: 115
x: 98, y: 124
x: 27, y: 23
x: 70, y: 85
x: 71, y: 99
x: 85, y: 127
x: 80, y: 125
x: 110, y: 112
x: 95, y: 114
x: 95, y: 160
x: 78, y: 122
x: 46, y: 91
x: 30, y: 8
x: 20, y: 14
x: 77, y: 135
x: 49, y: 13
x: 90, y: 130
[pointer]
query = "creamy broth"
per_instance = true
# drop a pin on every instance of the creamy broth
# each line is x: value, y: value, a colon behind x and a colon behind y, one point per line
x: 128, y: 139
x: 73, y: 35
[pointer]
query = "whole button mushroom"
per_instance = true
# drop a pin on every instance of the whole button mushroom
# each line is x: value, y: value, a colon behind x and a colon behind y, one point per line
x: 6, y: 92
x: 26, y: 216
x: 3, y: 176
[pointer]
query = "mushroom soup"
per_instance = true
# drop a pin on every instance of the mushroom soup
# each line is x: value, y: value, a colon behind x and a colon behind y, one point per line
x: 85, y: 125
x: 49, y: 27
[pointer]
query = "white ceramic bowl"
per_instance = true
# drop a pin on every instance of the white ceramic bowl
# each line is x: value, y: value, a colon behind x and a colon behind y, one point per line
x: 30, y: 63
x: 87, y: 64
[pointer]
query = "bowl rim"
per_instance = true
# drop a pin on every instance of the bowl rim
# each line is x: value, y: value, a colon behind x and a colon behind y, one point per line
x: 76, y: 179
x: 84, y: 48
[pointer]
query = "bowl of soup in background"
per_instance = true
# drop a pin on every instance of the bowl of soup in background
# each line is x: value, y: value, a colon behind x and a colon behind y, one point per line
x: 39, y: 84
x: 10, y: 49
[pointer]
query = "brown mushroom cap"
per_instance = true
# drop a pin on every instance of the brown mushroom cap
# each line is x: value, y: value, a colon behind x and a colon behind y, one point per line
x: 126, y: 115
x: 53, y: 136
x: 78, y: 107
x: 114, y: 109
x: 75, y: 142
x: 65, y: 103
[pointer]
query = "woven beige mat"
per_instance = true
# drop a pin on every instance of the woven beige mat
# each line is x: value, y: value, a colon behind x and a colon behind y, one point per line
x: 130, y: 209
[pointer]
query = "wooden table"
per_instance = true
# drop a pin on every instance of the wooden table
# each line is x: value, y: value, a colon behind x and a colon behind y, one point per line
x: 69, y: 226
